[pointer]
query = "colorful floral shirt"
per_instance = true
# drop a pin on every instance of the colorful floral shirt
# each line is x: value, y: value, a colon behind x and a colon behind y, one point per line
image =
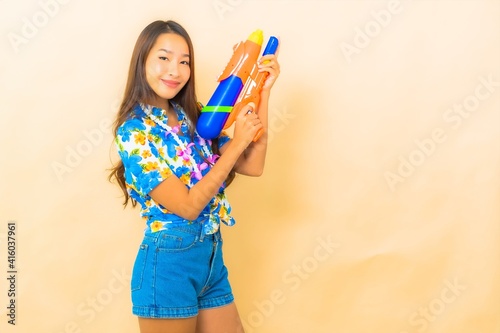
x: 152, y: 151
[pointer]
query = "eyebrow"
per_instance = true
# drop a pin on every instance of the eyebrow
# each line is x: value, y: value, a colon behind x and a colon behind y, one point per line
x: 170, y: 52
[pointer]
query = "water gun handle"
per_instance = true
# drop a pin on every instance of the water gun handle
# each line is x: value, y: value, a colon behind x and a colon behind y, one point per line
x: 253, y: 87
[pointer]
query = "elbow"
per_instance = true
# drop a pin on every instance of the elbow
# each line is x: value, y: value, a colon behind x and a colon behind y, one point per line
x: 251, y: 172
x: 259, y: 172
x: 190, y: 216
x: 189, y: 213
x: 256, y: 172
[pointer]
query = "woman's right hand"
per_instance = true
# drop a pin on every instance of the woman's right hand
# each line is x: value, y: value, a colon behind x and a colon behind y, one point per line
x: 246, y: 125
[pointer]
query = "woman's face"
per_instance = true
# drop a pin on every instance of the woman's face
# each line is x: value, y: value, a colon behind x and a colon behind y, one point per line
x: 167, y: 66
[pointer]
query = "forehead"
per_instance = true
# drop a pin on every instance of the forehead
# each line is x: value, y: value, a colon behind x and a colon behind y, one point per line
x: 173, y: 43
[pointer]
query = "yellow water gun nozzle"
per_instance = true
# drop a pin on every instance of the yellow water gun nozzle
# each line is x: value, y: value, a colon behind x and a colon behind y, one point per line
x: 257, y: 37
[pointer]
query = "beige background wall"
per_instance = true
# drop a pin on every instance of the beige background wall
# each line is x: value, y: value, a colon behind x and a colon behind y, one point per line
x: 379, y: 208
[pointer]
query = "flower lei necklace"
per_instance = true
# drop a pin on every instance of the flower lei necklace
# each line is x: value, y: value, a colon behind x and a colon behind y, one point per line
x: 185, y: 150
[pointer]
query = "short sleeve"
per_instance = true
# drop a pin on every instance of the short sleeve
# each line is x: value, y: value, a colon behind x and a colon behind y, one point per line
x: 145, y: 167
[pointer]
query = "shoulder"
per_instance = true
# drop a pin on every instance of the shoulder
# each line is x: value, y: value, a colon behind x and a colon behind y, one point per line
x: 135, y: 123
x: 136, y: 118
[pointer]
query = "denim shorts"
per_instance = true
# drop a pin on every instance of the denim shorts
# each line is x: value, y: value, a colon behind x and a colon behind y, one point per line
x: 179, y: 271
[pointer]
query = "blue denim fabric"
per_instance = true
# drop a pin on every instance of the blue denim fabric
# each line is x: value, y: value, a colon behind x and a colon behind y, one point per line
x: 179, y: 271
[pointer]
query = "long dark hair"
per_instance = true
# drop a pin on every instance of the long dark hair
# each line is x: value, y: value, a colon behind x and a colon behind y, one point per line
x: 138, y: 90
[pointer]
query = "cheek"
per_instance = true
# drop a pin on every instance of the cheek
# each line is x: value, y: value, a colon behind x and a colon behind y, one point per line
x: 186, y: 73
x: 153, y: 69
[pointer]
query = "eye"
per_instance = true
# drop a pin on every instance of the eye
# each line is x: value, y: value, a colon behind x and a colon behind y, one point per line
x: 185, y: 62
x: 163, y: 58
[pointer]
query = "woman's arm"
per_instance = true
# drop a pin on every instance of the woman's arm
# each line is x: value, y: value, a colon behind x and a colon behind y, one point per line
x: 251, y: 162
x: 240, y: 152
x: 187, y: 203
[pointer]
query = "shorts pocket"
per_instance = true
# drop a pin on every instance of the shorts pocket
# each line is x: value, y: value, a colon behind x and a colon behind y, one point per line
x: 139, y: 267
x: 176, y: 239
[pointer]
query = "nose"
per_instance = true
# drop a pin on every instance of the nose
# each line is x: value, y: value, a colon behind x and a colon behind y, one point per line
x: 173, y: 69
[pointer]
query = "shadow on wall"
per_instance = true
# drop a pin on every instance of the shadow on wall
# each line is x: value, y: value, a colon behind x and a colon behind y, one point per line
x: 276, y: 194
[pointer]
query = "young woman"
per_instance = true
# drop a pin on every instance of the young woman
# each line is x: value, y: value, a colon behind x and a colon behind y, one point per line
x: 179, y: 280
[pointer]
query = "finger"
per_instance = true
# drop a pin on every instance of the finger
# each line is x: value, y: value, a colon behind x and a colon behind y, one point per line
x: 252, y: 117
x: 267, y: 68
x: 269, y: 65
x: 267, y: 59
x: 257, y: 127
x: 249, y: 108
x: 244, y: 110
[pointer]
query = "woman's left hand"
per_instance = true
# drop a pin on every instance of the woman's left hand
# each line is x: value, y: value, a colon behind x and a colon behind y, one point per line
x: 269, y: 63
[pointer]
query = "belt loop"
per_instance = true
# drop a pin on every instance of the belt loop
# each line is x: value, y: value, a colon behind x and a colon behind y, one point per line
x: 202, y: 232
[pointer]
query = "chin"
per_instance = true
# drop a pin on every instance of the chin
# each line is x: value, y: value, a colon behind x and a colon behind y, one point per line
x: 169, y: 95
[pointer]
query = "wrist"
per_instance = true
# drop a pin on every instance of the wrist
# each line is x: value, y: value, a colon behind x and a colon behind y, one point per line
x: 264, y: 94
x: 236, y: 147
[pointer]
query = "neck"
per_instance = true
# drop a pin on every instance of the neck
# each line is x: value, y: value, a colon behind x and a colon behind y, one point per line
x: 160, y: 103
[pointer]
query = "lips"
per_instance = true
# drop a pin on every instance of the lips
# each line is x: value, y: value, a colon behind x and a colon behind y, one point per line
x: 171, y: 83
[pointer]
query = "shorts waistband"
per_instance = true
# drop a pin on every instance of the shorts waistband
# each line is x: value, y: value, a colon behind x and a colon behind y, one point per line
x: 193, y: 227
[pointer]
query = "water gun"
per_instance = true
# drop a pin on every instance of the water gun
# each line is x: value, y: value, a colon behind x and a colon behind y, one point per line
x: 239, y: 84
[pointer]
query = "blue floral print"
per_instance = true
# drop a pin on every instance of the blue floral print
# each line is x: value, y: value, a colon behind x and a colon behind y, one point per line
x: 152, y: 151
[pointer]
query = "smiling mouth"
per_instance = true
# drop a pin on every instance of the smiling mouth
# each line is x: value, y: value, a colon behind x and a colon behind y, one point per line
x: 170, y: 83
